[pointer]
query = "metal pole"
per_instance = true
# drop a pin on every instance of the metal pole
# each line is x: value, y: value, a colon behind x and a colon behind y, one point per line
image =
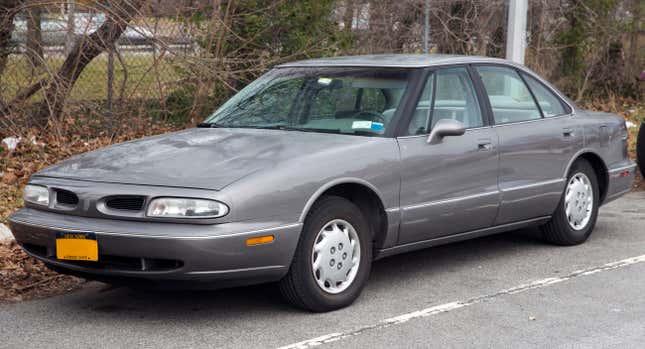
x: 71, y: 24
x: 110, y: 80
x: 426, y: 27
x: 516, y: 30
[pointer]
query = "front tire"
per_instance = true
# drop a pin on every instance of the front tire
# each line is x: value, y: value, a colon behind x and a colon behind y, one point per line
x: 333, y: 259
x: 575, y: 217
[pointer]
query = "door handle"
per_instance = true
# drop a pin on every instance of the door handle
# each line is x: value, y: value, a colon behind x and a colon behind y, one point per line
x: 484, y: 144
x: 567, y: 133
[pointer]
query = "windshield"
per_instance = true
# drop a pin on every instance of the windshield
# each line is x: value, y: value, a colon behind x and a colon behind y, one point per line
x: 354, y: 101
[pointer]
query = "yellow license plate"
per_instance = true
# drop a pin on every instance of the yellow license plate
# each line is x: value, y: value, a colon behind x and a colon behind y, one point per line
x: 77, y: 247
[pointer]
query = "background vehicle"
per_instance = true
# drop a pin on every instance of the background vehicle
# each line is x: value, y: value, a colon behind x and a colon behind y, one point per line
x: 320, y: 166
x: 55, y: 30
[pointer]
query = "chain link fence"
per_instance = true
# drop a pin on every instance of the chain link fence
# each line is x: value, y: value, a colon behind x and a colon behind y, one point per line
x: 143, y: 65
x: 164, y: 62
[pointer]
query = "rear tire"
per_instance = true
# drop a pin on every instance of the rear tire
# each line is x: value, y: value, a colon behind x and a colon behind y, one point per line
x: 575, y: 217
x: 304, y: 286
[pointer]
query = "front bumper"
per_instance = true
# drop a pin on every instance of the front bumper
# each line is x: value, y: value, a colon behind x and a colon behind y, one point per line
x: 215, y: 254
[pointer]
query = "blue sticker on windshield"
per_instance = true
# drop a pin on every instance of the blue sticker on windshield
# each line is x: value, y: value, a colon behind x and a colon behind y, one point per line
x: 370, y: 125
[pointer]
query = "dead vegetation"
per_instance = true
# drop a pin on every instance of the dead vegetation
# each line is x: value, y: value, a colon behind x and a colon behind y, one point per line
x: 24, y: 278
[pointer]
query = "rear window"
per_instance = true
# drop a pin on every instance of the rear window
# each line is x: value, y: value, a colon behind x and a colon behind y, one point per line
x: 509, y: 96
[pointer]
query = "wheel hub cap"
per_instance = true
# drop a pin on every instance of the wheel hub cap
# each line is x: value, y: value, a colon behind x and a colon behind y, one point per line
x: 578, y: 201
x: 336, y: 256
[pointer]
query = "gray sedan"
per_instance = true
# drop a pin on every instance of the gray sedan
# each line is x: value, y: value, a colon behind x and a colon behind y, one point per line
x: 319, y: 167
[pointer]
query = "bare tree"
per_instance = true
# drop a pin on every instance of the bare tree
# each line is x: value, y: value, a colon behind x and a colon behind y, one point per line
x: 634, y: 49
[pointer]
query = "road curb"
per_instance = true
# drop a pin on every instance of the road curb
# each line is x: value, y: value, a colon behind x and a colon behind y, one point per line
x: 5, y: 233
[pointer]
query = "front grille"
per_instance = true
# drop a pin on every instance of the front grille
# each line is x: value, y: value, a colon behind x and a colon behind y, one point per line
x: 65, y: 197
x: 37, y: 250
x: 125, y: 203
x: 111, y: 262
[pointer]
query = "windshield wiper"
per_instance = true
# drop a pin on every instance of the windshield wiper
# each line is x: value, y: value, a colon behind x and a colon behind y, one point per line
x: 309, y: 129
x: 216, y: 125
x: 291, y: 128
x: 270, y: 127
x: 362, y: 133
x: 209, y: 125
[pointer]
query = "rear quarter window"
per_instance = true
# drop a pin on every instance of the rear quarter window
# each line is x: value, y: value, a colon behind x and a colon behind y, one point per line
x: 550, y: 104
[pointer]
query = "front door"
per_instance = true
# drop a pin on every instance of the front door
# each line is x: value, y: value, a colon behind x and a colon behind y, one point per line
x: 449, y: 187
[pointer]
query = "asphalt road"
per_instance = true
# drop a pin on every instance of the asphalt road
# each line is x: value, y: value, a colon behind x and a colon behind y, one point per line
x: 509, y: 290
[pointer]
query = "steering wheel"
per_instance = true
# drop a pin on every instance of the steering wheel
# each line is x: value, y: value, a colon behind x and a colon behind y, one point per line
x: 368, y: 115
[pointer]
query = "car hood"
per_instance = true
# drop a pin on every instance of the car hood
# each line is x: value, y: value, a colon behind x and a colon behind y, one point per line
x: 196, y: 158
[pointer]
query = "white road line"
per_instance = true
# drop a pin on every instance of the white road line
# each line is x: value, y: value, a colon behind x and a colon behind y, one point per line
x: 446, y: 307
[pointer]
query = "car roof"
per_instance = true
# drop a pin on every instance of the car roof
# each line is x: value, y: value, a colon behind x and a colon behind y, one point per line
x: 394, y: 60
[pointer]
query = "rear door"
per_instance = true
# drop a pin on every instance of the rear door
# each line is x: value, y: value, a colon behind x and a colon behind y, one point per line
x: 537, y: 139
x: 449, y: 187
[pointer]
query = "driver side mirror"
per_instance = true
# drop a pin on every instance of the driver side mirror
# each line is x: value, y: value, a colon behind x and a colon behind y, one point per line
x: 445, y: 128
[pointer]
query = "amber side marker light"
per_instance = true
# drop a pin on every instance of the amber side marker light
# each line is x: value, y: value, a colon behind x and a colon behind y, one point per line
x: 259, y: 240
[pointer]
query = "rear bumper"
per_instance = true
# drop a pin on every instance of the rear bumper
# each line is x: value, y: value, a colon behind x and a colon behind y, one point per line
x: 215, y: 254
x: 621, y: 179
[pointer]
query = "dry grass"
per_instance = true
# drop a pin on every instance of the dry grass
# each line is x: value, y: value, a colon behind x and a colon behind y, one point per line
x: 145, y: 77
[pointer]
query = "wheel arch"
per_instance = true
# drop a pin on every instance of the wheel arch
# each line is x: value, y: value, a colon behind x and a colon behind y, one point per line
x: 364, y: 195
x: 599, y: 166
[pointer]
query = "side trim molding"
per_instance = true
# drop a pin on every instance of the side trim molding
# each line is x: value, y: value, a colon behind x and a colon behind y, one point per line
x: 450, y: 200
x: 533, y: 185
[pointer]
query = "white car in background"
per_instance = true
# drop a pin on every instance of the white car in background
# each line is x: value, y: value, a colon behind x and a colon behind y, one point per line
x: 54, y: 30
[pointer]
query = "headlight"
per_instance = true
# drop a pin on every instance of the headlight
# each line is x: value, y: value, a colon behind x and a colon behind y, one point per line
x: 186, y: 208
x: 36, y: 194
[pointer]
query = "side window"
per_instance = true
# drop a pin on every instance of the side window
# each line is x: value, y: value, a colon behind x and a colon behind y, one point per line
x: 337, y: 98
x: 509, y: 97
x: 372, y: 100
x: 454, y: 98
x: 345, y: 100
x: 549, y: 103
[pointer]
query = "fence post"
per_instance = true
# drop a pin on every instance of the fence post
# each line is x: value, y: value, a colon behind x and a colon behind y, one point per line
x: 426, y: 27
x: 71, y: 26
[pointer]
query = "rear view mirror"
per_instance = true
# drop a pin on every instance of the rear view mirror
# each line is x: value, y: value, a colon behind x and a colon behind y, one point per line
x: 445, y: 128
